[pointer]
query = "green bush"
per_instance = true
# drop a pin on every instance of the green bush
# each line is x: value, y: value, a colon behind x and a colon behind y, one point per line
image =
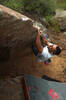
x: 39, y: 6
x: 54, y: 25
x: 45, y: 7
x: 61, y: 4
x: 15, y: 5
x: 64, y: 4
x: 48, y: 18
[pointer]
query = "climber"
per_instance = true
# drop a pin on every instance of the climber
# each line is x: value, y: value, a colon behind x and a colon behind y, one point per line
x: 44, y: 53
x: 48, y: 51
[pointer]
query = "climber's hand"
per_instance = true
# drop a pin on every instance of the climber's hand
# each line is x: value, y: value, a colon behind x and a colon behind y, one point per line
x: 38, y: 28
x: 39, y: 31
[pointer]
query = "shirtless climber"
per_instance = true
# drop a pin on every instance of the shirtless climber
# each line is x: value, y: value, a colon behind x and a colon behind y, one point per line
x: 48, y: 51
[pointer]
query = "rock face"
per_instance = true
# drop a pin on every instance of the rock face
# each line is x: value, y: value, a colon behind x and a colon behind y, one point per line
x: 62, y: 23
x: 16, y: 32
x: 61, y: 19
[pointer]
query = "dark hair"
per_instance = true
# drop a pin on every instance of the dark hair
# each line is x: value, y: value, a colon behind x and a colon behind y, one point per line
x: 58, y: 50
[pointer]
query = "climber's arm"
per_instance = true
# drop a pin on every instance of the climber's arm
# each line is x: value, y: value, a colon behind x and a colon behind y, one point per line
x: 45, y: 41
x: 38, y: 42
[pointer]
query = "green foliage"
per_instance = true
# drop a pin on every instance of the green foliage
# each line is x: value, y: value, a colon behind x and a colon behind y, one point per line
x: 54, y: 25
x: 48, y: 18
x: 44, y: 7
x: 64, y: 4
x: 14, y: 4
x: 61, y: 4
x: 39, y: 6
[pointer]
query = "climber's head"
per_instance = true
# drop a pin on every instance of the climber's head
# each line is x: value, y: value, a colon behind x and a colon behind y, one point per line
x: 55, y: 49
x: 58, y: 50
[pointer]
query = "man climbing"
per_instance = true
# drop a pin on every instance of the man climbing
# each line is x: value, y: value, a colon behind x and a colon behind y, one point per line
x: 48, y: 51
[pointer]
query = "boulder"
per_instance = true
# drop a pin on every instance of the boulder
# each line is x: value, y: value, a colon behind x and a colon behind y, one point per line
x: 62, y: 23
x: 61, y: 19
x: 16, y: 32
x: 59, y: 23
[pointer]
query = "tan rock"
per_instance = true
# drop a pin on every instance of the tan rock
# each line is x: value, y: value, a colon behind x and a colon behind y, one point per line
x: 16, y: 31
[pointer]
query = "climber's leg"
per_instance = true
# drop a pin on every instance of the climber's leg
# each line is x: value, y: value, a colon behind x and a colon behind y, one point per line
x: 47, y: 61
x: 35, y: 50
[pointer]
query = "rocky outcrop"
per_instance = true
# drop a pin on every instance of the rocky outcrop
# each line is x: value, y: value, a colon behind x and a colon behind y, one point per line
x: 16, y: 31
x: 61, y: 19
x: 58, y: 22
x: 62, y: 23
